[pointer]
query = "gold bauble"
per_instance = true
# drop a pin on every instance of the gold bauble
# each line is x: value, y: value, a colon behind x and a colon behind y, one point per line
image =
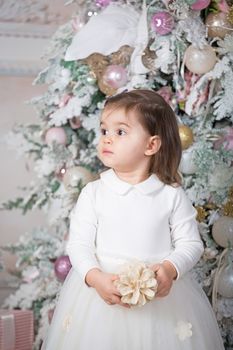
x: 186, y: 136
x: 218, y: 25
x: 106, y: 89
x: 74, y: 175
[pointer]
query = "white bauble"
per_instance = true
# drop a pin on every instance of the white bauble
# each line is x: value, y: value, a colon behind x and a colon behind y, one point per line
x: 187, y: 165
x: 200, y: 61
x: 76, y: 174
x: 225, y: 282
x: 223, y: 231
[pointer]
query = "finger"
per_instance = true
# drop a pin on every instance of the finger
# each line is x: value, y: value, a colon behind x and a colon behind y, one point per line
x: 125, y: 305
x: 155, y: 267
x: 116, y: 292
x: 114, y: 277
x: 162, y: 293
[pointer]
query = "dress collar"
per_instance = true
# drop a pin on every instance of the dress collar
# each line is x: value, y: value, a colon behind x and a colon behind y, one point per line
x: 119, y: 186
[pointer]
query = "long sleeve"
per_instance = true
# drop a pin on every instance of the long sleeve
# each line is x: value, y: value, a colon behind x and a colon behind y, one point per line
x: 186, y: 240
x: 83, y: 226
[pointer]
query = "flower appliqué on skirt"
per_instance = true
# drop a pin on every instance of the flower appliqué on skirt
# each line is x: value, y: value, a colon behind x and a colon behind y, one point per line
x: 66, y: 323
x: 183, y: 330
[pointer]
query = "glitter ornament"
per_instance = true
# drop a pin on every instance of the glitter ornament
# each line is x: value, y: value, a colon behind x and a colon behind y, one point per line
x: 230, y: 15
x: 223, y: 231
x: 225, y: 281
x: 73, y: 176
x: 201, y: 213
x: 162, y: 23
x: 228, y: 208
x: 218, y: 25
x: 200, y: 61
x: 115, y: 76
x: 97, y: 63
x: 56, y: 134
x: 186, y: 136
x: 200, y: 5
x: 122, y: 56
x: 62, y: 267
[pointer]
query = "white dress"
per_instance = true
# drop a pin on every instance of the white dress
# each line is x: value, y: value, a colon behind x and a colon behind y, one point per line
x: 115, y: 222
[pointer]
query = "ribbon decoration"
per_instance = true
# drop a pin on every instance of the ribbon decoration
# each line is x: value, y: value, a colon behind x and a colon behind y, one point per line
x: 7, y: 330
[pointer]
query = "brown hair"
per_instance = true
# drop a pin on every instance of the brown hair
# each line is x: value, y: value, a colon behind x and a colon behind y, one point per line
x: 158, y: 119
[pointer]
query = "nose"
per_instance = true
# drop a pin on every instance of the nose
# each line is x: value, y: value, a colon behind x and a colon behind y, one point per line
x: 107, y: 139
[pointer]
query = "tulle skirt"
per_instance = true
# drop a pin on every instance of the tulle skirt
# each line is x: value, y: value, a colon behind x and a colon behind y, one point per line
x: 183, y: 320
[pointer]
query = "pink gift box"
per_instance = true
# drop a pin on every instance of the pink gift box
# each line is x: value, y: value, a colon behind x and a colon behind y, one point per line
x: 16, y: 330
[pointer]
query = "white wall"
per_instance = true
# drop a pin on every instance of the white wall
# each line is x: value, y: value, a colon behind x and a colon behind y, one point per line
x: 14, y: 91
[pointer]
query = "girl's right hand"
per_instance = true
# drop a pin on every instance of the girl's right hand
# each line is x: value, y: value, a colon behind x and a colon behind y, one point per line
x: 103, y: 284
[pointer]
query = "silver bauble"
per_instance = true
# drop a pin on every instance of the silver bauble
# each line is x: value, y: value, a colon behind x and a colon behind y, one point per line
x: 223, y: 231
x: 76, y: 174
x: 187, y: 165
x: 225, y: 282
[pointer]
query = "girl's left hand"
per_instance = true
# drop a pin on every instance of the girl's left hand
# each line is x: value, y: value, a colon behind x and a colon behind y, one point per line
x: 165, y: 273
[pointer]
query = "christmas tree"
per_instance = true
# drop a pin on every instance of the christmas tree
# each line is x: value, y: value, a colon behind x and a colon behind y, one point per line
x: 184, y: 51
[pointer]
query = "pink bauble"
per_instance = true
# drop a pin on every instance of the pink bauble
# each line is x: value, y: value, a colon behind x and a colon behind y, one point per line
x: 115, y: 76
x: 62, y: 267
x: 200, y: 61
x: 56, y: 134
x: 200, y: 4
x: 162, y: 23
x: 102, y: 3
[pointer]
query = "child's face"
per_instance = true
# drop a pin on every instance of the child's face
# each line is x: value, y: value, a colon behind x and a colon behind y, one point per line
x: 124, y: 144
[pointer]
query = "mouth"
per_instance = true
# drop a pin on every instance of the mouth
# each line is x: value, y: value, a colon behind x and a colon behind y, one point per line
x: 106, y: 151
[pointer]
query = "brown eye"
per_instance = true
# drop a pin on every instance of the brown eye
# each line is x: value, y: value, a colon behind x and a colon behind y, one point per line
x: 121, y: 132
x: 103, y: 131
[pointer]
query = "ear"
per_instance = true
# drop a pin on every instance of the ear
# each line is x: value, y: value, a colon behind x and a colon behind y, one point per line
x: 153, y: 145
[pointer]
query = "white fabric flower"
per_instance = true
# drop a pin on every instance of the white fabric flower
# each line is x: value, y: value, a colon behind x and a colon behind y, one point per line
x: 183, y: 330
x: 121, y: 22
x: 136, y: 283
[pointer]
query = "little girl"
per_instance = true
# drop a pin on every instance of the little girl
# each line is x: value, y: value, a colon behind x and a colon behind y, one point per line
x: 136, y: 210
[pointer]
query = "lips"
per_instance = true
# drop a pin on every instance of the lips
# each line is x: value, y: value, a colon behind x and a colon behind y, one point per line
x: 106, y: 151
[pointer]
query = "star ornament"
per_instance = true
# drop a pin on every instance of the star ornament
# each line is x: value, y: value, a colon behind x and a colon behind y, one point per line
x: 183, y: 330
